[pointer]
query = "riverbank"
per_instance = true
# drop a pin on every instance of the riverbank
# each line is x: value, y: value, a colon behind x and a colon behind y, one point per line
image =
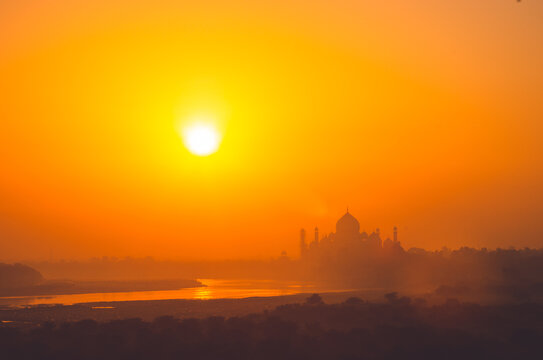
x: 151, y: 309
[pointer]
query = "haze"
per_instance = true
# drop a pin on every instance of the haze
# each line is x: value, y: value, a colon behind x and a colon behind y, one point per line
x: 420, y: 114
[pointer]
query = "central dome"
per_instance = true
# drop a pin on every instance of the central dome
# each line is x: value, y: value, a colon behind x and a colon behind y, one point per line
x: 347, y: 225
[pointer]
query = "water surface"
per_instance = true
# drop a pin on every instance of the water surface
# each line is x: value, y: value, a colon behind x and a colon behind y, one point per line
x: 214, y: 289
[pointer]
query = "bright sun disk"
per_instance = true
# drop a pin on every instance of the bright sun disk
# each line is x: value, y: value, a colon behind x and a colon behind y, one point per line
x: 201, y: 139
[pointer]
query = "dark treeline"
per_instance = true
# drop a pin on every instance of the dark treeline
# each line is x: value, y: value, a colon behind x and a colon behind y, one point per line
x: 399, y: 328
x: 511, y: 274
x: 466, y: 273
x: 479, y: 275
x: 17, y: 275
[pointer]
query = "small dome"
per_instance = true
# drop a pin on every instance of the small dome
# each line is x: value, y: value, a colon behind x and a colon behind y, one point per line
x: 347, y: 225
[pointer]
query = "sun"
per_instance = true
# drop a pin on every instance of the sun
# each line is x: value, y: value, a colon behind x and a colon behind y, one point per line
x: 201, y: 139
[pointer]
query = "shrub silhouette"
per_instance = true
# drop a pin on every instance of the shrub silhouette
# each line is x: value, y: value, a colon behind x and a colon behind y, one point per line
x: 355, y: 329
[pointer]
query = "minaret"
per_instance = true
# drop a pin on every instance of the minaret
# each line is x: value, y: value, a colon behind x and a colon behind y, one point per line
x: 303, y: 245
x: 395, y: 234
x: 316, y: 234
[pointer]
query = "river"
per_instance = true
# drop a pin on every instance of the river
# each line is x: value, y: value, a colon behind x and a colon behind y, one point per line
x: 213, y: 289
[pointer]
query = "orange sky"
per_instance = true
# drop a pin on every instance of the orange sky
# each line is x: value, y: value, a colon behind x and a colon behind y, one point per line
x: 423, y: 114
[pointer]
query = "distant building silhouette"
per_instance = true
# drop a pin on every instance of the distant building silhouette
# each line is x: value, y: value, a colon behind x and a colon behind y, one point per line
x: 303, y: 244
x: 346, y: 241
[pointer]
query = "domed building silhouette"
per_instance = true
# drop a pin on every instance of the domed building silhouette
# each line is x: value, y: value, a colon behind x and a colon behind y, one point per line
x: 347, y: 226
x: 347, y: 239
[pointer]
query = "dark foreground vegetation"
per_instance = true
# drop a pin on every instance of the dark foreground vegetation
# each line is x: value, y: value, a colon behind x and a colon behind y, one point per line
x: 398, y: 328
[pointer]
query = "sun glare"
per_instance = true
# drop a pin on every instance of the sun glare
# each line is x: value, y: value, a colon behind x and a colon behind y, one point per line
x: 201, y: 139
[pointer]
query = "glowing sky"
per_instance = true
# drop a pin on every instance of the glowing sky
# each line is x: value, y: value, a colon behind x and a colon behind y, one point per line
x: 423, y: 114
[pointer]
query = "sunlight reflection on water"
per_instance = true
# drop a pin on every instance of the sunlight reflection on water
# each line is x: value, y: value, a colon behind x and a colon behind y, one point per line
x: 214, y: 289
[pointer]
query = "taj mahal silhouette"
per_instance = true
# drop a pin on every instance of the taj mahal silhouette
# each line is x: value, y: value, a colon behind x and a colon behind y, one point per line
x: 347, y: 239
